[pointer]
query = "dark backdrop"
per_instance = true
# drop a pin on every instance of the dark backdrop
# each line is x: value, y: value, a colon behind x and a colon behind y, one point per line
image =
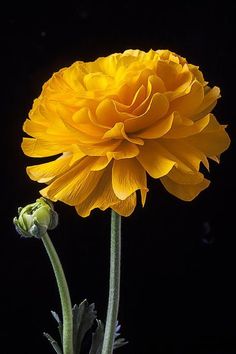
x: 178, y: 259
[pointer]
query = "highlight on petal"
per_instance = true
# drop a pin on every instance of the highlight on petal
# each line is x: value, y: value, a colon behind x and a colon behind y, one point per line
x: 74, y: 185
x: 110, y: 122
x: 134, y: 178
x: 158, y: 129
x: 102, y: 197
x: 186, y: 192
x: 181, y: 150
x: 42, y: 148
x: 157, y: 109
x: 47, y: 171
x: 127, y: 206
x: 210, y: 99
x: 155, y: 159
x: 190, y: 102
x: 213, y: 140
x: 125, y: 150
x: 182, y: 131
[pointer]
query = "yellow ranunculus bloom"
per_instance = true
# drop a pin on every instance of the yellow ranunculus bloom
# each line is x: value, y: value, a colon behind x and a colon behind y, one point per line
x: 117, y: 119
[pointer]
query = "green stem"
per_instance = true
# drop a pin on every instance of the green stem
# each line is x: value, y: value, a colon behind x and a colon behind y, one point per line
x: 64, y: 295
x: 114, y: 285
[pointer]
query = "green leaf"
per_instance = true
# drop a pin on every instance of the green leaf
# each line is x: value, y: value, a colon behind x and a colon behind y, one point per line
x: 54, y: 344
x: 83, y: 319
x: 97, y: 339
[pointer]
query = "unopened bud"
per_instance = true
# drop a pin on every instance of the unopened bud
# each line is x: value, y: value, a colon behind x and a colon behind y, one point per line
x: 35, y: 219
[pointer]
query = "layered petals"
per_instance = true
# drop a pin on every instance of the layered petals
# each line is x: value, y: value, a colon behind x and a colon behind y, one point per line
x: 110, y: 123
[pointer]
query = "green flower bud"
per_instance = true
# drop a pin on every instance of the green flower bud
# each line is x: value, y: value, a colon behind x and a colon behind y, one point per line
x: 35, y: 219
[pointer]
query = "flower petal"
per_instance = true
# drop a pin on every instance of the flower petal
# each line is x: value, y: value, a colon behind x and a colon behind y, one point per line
x: 157, y: 108
x: 155, y: 159
x: 100, y: 149
x: 208, y: 103
x: 183, y: 151
x: 101, y: 197
x: 190, y: 102
x: 118, y: 132
x: 125, y: 207
x: 158, y: 129
x: 47, y: 171
x: 127, y: 177
x: 108, y: 115
x: 181, y: 176
x: 182, y: 131
x: 212, y: 141
x: 75, y: 185
x: 42, y: 148
x: 125, y: 150
x: 186, y: 192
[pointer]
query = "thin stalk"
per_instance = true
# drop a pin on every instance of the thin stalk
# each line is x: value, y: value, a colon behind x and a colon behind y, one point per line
x: 114, y: 284
x: 64, y: 295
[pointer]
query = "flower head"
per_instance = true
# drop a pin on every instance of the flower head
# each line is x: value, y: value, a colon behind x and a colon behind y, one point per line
x: 112, y: 122
x: 35, y: 219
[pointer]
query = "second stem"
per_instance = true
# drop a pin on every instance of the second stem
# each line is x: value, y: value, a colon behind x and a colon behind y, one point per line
x: 114, y: 284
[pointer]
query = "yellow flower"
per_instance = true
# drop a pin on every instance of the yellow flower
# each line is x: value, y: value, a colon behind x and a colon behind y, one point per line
x: 112, y: 122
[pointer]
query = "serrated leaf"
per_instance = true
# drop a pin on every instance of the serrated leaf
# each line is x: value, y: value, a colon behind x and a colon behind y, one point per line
x: 60, y: 324
x: 97, y: 339
x: 54, y: 344
x: 83, y: 319
x: 118, y: 342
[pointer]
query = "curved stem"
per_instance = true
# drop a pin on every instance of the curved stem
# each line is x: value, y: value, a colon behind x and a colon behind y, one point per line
x: 64, y: 295
x: 114, y: 284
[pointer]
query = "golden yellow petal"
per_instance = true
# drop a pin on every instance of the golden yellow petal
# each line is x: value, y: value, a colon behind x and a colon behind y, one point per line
x: 34, y: 129
x: 72, y: 78
x: 118, y: 132
x: 100, y: 149
x: 75, y: 185
x: 155, y: 159
x: 102, y: 196
x: 180, y: 176
x: 138, y: 98
x: 186, y: 192
x: 158, y: 129
x: 97, y: 81
x: 42, y: 148
x: 182, y: 131
x: 212, y: 141
x: 108, y: 115
x: 47, y: 171
x: 185, y: 152
x: 190, y: 102
x: 157, y: 108
x: 125, y: 150
x: 127, y: 177
x: 100, y: 163
x: 208, y: 103
x: 154, y: 85
x: 168, y: 73
x: 176, y: 77
x: 125, y: 207
x: 81, y: 116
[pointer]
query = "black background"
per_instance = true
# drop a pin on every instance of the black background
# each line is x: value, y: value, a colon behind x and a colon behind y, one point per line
x: 178, y: 259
